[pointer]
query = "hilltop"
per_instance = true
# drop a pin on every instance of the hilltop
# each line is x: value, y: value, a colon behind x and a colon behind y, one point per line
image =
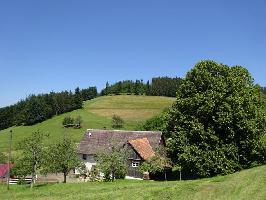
x: 245, y: 185
x: 96, y: 113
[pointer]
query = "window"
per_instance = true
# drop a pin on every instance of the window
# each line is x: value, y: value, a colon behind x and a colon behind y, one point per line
x: 84, y: 156
x: 135, y: 164
x: 90, y: 158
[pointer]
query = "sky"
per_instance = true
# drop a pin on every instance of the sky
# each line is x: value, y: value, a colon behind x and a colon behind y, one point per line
x: 55, y: 45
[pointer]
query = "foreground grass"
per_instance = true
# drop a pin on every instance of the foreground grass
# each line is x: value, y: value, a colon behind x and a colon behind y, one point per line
x: 244, y: 185
x: 96, y: 113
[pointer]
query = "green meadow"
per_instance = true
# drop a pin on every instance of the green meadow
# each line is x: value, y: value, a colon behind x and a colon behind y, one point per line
x: 96, y: 114
x: 244, y: 185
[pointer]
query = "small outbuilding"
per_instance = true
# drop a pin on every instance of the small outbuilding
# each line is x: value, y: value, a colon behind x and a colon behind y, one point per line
x: 4, y: 169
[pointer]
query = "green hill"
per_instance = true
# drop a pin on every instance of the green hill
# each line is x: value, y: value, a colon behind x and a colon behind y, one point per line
x: 96, y: 113
x: 244, y: 185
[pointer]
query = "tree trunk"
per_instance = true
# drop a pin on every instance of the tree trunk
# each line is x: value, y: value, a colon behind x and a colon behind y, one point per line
x: 180, y: 175
x: 33, y: 175
x: 113, y: 176
x: 165, y: 177
x: 65, y: 175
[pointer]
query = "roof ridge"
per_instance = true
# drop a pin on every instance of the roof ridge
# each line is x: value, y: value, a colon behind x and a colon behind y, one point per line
x: 108, y: 130
x: 139, y: 139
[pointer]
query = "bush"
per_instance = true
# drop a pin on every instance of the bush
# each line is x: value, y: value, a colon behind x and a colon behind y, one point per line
x: 78, y: 121
x: 72, y: 122
x: 155, y: 123
x: 117, y: 121
x: 3, y: 158
x: 68, y: 121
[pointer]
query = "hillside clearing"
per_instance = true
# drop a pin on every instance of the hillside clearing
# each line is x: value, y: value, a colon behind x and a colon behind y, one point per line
x: 96, y: 113
x: 244, y: 185
x: 129, y: 107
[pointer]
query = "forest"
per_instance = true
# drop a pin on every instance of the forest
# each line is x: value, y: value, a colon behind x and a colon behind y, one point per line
x: 37, y: 108
x: 159, y: 86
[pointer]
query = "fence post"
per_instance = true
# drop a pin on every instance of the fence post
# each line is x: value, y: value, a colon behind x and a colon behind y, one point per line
x: 9, y: 159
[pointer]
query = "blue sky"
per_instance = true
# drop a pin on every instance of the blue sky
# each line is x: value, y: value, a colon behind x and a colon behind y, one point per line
x: 53, y: 45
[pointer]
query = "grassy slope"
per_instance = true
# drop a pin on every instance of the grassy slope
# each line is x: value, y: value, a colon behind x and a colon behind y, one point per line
x: 96, y: 113
x: 244, y: 185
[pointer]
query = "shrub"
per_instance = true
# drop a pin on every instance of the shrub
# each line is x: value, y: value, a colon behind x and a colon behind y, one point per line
x: 78, y: 122
x: 72, y: 122
x: 68, y: 121
x: 117, y: 121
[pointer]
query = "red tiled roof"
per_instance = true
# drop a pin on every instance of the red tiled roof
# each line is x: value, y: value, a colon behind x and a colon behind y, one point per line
x: 143, y: 147
x: 4, y: 169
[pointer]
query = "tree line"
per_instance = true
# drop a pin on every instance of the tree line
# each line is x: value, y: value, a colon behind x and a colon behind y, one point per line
x: 263, y: 89
x: 37, y: 108
x: 160, y: 86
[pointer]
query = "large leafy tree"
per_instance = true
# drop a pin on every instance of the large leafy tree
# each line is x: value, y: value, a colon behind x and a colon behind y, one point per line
x: 217, y: 121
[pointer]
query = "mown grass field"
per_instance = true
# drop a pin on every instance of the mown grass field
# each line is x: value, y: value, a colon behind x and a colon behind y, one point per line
x: 244, y: 185
x: 96, y: 113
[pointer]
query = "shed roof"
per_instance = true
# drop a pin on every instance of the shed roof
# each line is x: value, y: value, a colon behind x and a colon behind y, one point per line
x: 142, y: 147
x: 4, y: 168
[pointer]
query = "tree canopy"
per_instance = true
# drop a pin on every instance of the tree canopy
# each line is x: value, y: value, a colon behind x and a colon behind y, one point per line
x: 157, y: 163
x: 160, y: 86
x: 117, y: 121
x: 113, y: 161
x: 217, y: 122
x: 33, y: 154
x: 62, y: 157
x: 3, y: 158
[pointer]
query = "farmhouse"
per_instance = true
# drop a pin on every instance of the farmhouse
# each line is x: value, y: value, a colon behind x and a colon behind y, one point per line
x: 143, y: 144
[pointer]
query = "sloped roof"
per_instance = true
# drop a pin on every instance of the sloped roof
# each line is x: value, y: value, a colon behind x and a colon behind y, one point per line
x: 95, y: 140
x: 4, y: 169
x: 143, y: 147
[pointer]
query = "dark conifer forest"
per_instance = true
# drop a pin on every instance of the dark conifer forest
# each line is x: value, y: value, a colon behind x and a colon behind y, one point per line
x: 37, y: 108
x: 160, y: 86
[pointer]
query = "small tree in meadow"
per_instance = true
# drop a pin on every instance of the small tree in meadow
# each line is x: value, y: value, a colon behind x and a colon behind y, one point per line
x: 113, y: 161
x: 67, y: 121
x: 32, y: 160
x: 62, y: 157
x: 78, y: 121
x: 117, y: 121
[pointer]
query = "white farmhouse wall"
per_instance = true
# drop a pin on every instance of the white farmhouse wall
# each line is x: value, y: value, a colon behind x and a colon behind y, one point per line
x: 89, y: 161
